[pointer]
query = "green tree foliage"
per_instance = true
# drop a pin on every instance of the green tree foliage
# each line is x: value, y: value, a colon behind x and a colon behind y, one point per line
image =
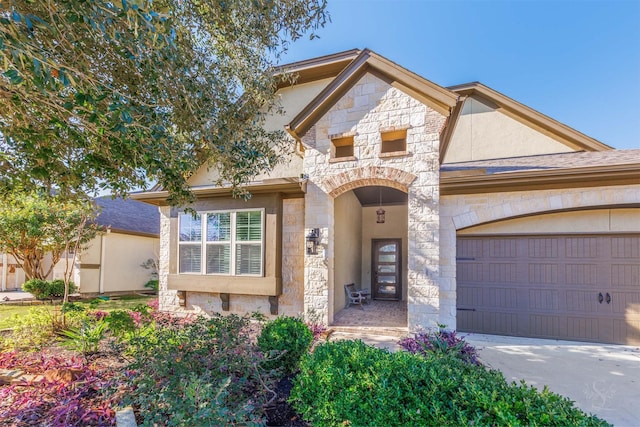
x: 33, y: 226
x: 97, y: 94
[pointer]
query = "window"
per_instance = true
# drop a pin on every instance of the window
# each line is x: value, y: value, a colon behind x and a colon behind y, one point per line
x: 394, y: 141
x: 342, y: 147
x: 233, y: 243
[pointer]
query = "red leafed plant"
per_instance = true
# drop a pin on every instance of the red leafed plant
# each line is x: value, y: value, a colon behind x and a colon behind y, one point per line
x: 53, y: 398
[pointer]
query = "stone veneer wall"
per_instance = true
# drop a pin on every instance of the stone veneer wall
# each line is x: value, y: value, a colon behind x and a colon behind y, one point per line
x: 462, y: 211
x: 369, y: 107
x: 290, y: 303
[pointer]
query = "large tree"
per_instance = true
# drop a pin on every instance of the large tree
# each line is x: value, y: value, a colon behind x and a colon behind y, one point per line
x: 34, y: 227
x: 97, y: 94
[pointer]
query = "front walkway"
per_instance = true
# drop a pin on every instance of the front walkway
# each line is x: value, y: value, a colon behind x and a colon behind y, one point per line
x: 376, y: 314
x: 15, y: 296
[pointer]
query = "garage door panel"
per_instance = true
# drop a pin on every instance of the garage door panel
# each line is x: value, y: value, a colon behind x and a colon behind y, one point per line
x: 472, y: 273
x: 495, y: 323
x: 584, y: 328
x: 543, y: 248
x: 503, y: 248
x: 625, y: 247
x: 543, y: 273
x: 625, y: 275
x: 549, y: 286
x: 545, y: 326
x: 581, y: 301
x: 503, y: 273
x: 581, y: 247
x: 542, y: 300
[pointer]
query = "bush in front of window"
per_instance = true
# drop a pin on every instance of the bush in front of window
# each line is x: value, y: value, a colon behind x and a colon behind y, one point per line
x: 44, y: 289
x: 284, y: 341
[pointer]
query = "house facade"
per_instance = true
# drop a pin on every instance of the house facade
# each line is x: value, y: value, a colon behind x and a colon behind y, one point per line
x: 111, y: 262
x: 470, y: 208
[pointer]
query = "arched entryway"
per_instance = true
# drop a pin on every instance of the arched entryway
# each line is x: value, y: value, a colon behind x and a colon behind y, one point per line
x: 371, y: 251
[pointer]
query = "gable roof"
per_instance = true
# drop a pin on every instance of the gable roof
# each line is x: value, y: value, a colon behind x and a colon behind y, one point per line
x: 528, y: 116
x: 128, y: 216
x: 563, y: 170
x: 437, y: 97
x: 318, y: 68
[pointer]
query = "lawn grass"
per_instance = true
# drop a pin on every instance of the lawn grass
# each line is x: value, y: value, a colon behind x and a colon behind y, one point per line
x: 123, y: 302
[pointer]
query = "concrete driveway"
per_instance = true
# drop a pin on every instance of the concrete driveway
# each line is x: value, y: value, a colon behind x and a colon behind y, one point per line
x: 603, y: 379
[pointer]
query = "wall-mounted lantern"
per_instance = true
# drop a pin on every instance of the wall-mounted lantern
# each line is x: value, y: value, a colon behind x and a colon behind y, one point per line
x: 380, y: 212
x: 312, y: 241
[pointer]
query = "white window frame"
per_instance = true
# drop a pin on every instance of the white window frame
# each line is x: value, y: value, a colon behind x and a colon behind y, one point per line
x: 233, y: 242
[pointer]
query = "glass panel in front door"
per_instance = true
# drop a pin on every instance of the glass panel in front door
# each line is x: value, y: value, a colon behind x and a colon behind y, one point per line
x: 386, y: 269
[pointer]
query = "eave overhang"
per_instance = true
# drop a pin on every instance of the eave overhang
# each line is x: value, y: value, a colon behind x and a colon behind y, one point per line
x: 435, y: 96
x: 292, y: 187
x: 454, y: 183
x: 317, y: 68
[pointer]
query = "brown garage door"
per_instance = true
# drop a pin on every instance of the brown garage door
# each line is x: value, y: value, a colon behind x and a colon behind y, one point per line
x: 577, y: 287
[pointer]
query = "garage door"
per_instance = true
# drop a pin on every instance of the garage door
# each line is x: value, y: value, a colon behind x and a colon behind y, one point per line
x: 576, y: 287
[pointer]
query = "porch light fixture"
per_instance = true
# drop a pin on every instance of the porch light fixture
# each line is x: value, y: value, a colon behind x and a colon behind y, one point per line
x: 312, y: 241
x: 380, y: 212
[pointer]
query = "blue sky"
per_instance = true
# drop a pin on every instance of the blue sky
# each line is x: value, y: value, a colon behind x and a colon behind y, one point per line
x: 575, y: 61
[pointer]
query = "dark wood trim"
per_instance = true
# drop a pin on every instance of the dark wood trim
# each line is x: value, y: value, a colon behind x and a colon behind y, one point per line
x: 290, y: 186
x: 317, y: 68
x: 593, y: 176
x: 449, y: 127
x: 240, y: 285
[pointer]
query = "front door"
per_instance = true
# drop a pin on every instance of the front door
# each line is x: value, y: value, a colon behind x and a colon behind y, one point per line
x: 385, y: 267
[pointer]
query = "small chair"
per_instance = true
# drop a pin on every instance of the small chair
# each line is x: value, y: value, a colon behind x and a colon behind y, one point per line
x: 353, y: 296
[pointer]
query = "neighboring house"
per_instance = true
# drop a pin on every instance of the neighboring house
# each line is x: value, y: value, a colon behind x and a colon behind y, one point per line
x: 111, y: 263
x: 497, y: 219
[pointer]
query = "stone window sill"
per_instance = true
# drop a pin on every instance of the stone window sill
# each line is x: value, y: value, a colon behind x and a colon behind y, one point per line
x: 342, y: 159
x: 394, y: 154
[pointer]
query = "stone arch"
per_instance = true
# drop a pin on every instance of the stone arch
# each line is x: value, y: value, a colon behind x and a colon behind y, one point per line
x: 336, y: 185
x: 550, y: 201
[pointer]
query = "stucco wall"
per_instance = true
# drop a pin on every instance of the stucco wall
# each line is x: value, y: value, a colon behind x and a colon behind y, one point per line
x: 463, y: 212
x: 111, y: 263
x: 583, y: 221
x: 348, y: 253
x: 369, y: 107
x: 394, y: 227
x: 292, y: 99
x: 123, y: 254
x: 485, y: 133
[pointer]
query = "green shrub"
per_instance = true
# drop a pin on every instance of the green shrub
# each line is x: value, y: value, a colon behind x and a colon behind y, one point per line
x: 85, y: 338
x: 285, y: 340
x: 37, y: 287
x: 152, y: 284
x: 30, y: 331
x: 350, y: 383
x: 121, y: 323
x: 43, y: 289
x: 56, y: 288
x: 192, y: 372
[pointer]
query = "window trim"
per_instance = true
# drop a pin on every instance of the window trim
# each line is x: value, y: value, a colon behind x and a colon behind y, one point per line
x: 233, y: 243
x: 393, y: 138
x: 339, y: 143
